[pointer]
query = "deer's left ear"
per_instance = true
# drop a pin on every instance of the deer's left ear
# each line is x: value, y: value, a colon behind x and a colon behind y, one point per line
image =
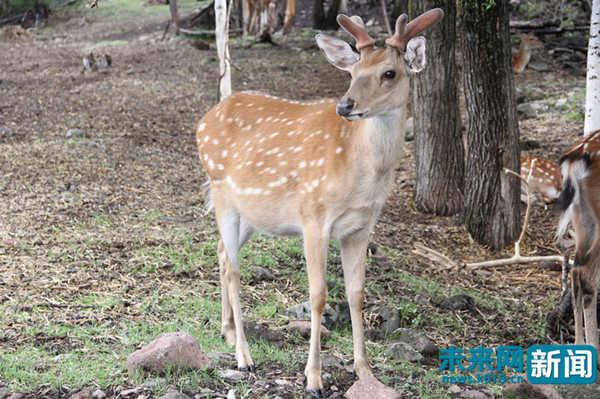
x: 338, y: 52
x: 415, y: 54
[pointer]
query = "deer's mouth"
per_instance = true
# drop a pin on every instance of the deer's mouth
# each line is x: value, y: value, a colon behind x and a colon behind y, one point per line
x: 356, y: 116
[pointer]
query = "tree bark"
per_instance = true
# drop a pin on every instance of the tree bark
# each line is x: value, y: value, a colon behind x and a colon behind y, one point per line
x: 439, y: 147
x: 326, y: 21
x: 592, y: 88
x: 174, y: 15
x: 491, y: 212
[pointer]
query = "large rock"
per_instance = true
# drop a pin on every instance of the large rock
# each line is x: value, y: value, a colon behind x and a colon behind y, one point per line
x: 233, y: 376
x: 302, y: 327
x: 404, y: 351
x: 171, y: 349
x: 263, y: 331
x: 458, y: 302
x: 419, y: 341
x: 390, y: 320
x: 336, y: 314
x: 531, y: 110
x: 370, y: 388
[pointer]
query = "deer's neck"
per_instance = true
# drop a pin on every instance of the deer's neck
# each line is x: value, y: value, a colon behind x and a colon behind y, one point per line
x: 378, y: 141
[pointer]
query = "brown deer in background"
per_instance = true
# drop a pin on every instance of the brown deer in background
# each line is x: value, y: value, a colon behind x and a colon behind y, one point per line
x: 580, y: 201
x: 317, y: 169
x: 521, y: 57
x: 546, y: 179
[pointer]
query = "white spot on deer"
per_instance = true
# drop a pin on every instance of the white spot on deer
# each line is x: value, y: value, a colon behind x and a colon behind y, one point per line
x: 220, y: 166
x: 259, y: 164
x: 224, y: 153
x: 282, y: 163
x: 291, y: 133
x: 293, y: 173
x: 250, y: 105
x: 261, y: 108
x: 339, y: 150
x: 320, y: 162
x: 551, y: 177
x: 259, y: 120
x: 290, y: 123
x: 279, y: 182
x: 297, y: 149
x: 269, y: 119
x: 229, y: 120
x: 312, y: 163
x: 201, y: 127
x: 215, y: 141
x: 221, y: 118
x: 273, y: 135
x: 327, y: 136
x: 211, y: 164
x: 235, y: 155
x: 206, y: 157
x: 302, y: 164
x: 206, y: 138
x: 247, y: 128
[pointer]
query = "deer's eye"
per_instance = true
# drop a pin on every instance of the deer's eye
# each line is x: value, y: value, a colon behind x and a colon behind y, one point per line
x: 391, y: 74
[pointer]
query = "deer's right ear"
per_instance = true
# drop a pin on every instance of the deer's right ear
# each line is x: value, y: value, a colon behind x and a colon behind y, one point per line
x: 338, y: 52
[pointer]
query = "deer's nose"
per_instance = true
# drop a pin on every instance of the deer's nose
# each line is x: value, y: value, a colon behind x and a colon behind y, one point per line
x: 345, y: 107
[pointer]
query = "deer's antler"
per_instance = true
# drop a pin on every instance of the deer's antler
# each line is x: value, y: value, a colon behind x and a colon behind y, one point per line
x: 407, y: 30
x: 356, y: 27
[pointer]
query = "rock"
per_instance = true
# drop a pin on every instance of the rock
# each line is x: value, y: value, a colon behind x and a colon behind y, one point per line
x: 75, y: 134
x: 370, y: 388
x: 528, y: 390
x: 170, y: 349
x: 409, y: 133
x: 129, y: 392
x: 458, y: 302
x: 98, y: 394
x: 82, y: 394
x: 174, y: 395
x: 419, y: 341
x: 531, y: 110
x: 4, y: 392
x: 233, y: 376
x: 474, y: 394
x: 302, y: 327
x: 263, y: 331
x: 262, y: 274
x: 231, y: 394
x: 561, y: 103
x: 390, y: 320
x: 17, y: 395
x: 282, y: 382
x: 454, y: 389
x: 404, y: 351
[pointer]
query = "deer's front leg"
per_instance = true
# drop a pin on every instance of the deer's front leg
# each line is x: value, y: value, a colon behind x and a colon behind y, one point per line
x: 315, y: 252
x: 354, y: 252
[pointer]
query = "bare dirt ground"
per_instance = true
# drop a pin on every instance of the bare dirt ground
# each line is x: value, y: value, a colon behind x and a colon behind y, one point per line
x: 96, y: 230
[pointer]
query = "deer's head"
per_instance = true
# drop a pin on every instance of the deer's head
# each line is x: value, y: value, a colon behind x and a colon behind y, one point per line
x: 380, y: 82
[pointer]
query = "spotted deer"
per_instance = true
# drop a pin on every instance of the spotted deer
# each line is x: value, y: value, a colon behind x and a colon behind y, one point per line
x: 546, y: 180
x: 318, y: 169
x: 580, y: 201
x: 521, y: 57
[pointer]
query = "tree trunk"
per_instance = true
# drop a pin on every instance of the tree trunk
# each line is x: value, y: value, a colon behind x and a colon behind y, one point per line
x: 399, y: 7
x: 174, y: 15
x: 439, y: 146
x: 318, y: 14
x: 491, y: 211
x: 592, y: 88
x: 222, y: 38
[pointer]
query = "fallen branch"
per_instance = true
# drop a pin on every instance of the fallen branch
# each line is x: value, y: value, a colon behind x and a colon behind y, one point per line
x: 517, y: 258
x: 434, y: 256
x: 205, y: 32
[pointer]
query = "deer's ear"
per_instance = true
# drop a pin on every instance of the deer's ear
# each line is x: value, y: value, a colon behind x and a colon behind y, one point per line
x: 338, y: 52
x: 415, y: 54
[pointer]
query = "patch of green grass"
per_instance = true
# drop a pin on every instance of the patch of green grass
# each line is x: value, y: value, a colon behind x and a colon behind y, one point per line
x: 121, y: 9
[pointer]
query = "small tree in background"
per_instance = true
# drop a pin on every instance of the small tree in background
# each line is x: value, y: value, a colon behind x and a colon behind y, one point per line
x: 592, y: 89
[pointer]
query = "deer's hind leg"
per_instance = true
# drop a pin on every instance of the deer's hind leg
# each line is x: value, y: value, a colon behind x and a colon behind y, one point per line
x: 234, y: 232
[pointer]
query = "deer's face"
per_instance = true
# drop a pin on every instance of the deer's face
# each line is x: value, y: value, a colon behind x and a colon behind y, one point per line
x: 380, y: 76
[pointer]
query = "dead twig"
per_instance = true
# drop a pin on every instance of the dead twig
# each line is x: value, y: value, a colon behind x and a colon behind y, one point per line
x: 517, y: 257
x: 434, y: 256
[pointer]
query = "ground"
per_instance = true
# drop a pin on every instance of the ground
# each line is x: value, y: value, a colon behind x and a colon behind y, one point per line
x: 105, y: 242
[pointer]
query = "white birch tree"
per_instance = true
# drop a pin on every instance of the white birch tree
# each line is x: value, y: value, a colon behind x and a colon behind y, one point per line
x: 592, y: 90
x: 222, y: 38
